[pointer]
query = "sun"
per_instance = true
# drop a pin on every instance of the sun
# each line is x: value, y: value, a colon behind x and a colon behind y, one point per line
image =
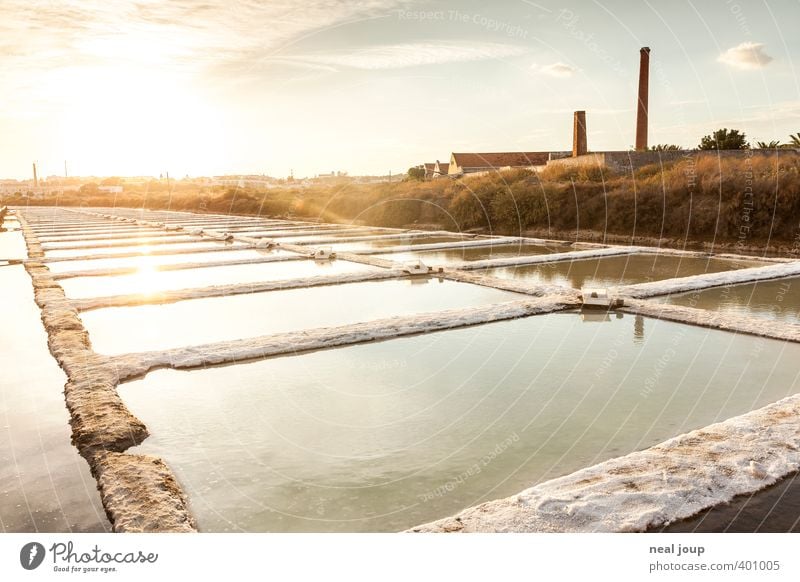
x: 136, y: 119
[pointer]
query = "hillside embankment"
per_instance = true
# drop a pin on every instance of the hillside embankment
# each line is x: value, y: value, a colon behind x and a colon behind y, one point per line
x: 748, y: 204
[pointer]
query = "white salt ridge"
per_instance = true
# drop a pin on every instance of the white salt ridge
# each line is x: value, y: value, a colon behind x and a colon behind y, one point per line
x: 711, y: 255
x: 667, y: 482
x: 133, y: 365
x: 221, y: 235
x: 172, y: 296
x: 551, y: 258
x: 737, y: 323
x: 725, y: 278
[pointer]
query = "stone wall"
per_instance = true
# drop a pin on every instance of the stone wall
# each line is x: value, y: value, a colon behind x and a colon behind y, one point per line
x: 626, y: 161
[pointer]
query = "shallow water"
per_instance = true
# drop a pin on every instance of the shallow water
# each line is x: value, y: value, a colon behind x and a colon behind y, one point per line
x: 147, y: 280
x: 312, y: 238
x: 387, y: 435
x: 89, y: 235
x: 147, y: 261
x: 142, y: 249
x: 134, y: 239
x: 451, y: 256
x: 621, y: 270
x: 44, y: 484
x: 199, y: 321
x: 399, y: 242
x: 778, y: 299
x: 12, y: 244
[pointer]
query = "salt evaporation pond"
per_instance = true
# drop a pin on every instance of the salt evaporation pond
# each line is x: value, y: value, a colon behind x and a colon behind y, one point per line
x: 12, y: 245
x: 777, y: 299
x: 399, y: 242
x: 91, y: 236
x: 618, y: 270
x: 149, y: 261
x: 44, y: 483
x: 150, y: 281
x: 142, y: 249
x: 213, y: 319
x: 134, y: 239
x: 458, y: 255
x: 387, y: 435
x: 312, y: 238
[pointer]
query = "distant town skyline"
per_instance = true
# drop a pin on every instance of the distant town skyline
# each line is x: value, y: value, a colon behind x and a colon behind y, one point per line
x: 210, y: 88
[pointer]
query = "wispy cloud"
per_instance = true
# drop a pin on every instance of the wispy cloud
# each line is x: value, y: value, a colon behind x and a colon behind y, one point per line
x: 558, y: 69
x: 40, y: 42
x: 747, y: 56
x: 398, y: 56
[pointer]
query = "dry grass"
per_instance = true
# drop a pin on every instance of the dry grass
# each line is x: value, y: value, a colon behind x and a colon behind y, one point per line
x: 700, y: 199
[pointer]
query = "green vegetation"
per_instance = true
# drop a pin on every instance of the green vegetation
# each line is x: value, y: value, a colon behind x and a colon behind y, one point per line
x: 698, y: 198
x: 772, y: 145
x: 665, y: 147
x: 416, y: 173
x: 724, y: 139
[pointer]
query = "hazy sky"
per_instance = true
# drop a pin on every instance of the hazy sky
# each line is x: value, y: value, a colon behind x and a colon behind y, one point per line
x: 202, y: 87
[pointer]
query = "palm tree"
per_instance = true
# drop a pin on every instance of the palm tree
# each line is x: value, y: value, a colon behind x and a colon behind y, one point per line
x: 795, y: 140
x: 774, y: 144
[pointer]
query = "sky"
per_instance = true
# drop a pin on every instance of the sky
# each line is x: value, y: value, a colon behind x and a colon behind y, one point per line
x: 201, y: 87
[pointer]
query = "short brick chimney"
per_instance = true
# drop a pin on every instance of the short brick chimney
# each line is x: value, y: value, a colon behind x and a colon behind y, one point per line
x: 579, y: 134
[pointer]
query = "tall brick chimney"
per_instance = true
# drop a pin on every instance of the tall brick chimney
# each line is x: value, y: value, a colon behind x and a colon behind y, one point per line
x: 35, y: 177
x: 579, y: 134
x: 641, y: 108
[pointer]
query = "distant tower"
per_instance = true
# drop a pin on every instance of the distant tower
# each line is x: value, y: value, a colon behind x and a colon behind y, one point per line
x: 641, y: 108
x: 579, y: 144
x: 35, y: 177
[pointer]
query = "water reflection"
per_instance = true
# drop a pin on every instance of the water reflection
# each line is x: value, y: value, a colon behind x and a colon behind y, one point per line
x: 638, y: 327
x: 179, y: 258
x: 458, y: 255
x: 621, y: 270
x: 383, y: 436
x: 199, y: 321
x: 148, y: 279
x: 398, y: 242
x: 45, y: 486
x: 777, y: 299
x: 142, y: 249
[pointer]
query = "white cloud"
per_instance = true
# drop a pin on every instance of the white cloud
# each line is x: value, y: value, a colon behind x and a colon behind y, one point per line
x: 748, y: 56
x: 40, y: 40
x: 559, y: 69
x: 397, y: 56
